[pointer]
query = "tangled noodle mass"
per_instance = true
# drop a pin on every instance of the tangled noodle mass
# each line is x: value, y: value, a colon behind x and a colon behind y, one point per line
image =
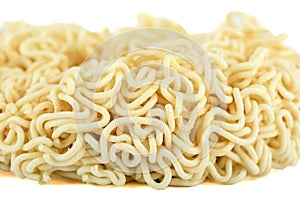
x: 149, y: 116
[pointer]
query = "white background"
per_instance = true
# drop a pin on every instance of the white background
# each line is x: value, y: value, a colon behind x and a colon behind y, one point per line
x: 196, y: 16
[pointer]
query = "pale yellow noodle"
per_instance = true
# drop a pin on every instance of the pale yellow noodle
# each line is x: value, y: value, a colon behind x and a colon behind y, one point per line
x: 150, y: 115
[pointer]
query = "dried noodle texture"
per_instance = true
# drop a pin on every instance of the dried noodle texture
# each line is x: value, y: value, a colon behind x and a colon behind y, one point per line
x: 264, y: 71
x: 35, y: 72
x: 59, y: 118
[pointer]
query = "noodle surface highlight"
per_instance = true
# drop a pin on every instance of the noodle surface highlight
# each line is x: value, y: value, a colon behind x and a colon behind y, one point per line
x: 150, y: 115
